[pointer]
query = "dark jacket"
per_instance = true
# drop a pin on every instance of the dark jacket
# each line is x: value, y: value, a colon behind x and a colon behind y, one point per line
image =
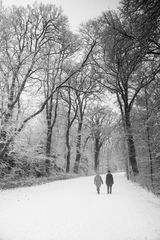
x: 109, y: 179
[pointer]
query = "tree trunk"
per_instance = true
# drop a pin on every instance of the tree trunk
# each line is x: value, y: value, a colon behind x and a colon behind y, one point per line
x: 150, y: 154
x: 49, y: 141
x: 4, y: 147
x: 4, y: 131
x: 68, y: 151
x: 96, y: 154
x: 148, y: 137
x: 131, y: 146
x: 78, y: 148
x: 51, y: 120
x: 49, y: 108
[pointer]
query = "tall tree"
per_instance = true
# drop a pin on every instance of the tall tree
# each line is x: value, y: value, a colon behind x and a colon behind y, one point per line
x: 24, y: 39
x: 71, y: 112
x: 85, y: 90
x: 56, y: 57
x: 123, y: 68
x: 26, y: 32
x: 101, y: 121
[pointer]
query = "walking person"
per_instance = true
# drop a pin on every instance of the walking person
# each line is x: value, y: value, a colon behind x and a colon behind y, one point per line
x: 109, y: 182
x: 98, y: 182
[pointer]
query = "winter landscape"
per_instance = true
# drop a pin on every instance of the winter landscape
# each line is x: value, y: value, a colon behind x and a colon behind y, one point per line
x: 80, y: 120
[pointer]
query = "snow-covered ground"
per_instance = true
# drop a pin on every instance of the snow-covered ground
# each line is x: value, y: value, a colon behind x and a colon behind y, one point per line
x: 71, y: 210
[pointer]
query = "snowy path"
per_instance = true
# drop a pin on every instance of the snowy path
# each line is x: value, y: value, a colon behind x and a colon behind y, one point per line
x: 71, y: 210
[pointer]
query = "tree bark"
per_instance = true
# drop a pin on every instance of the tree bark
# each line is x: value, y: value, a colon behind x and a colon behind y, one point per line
x: 150, y: 154
x: 131, y: 145
x: 68, y: 152
x: 49, y: 141
x: 51, y: 120
x: 149, y: 137
x: 78, y: 148
x: 96, y: 154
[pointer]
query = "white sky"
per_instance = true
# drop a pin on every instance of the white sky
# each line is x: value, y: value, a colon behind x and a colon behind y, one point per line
x: 77, y: 11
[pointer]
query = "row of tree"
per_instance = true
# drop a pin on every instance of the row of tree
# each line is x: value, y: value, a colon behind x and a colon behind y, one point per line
x: 41, y: 76
x: 58, y: 80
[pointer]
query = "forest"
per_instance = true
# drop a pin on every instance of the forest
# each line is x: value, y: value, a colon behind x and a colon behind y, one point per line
x: 73, y: 103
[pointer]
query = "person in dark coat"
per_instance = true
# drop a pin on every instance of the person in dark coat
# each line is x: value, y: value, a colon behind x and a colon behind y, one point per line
x: 98, y: 182
x: 109, y: 182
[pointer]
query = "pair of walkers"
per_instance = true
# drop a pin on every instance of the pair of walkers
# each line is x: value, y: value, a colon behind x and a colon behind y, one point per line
x: 109, y: 182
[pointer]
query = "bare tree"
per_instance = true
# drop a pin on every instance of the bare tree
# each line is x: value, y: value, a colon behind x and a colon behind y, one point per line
x: 23, y: 39
x: 101, y: 121
x: 86, y: 89
x: 55, y: 61
x: 71, y: 109
x: 38, y: 28
x: 124, y: 68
